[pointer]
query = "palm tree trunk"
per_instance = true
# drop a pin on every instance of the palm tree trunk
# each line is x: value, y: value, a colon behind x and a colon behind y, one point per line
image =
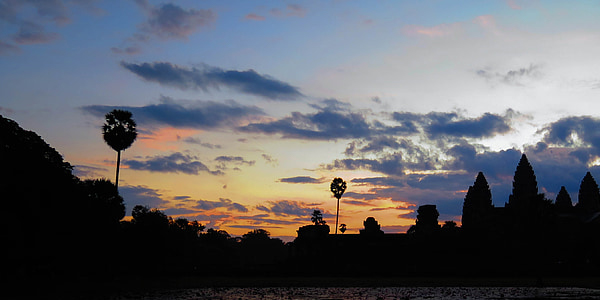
x: 118, y: 164
x: 337, y: 215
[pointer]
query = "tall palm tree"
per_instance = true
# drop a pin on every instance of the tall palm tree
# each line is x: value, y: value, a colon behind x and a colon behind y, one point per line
x: 119, y: 133
x: 338, y: 187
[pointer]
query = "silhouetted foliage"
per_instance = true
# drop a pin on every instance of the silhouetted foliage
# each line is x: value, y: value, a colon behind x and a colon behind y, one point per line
x: 338, y: 187
x: 589, y: 195
x: 342, y: 228
x: 152, y: 220
x: 40, y: 198
x: 317, y: 217
x: 256, y: 235
x: 119, y: 132
x: 105, y: 205
x: 193, y: 228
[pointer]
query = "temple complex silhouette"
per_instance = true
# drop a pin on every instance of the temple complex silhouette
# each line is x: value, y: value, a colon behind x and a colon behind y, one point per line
x: 529, y: 235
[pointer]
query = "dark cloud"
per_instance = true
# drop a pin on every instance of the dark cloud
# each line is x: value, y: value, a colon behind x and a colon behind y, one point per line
x: 53, y: 10
x: 263, y: 219
x: 336, y: 120
x: 388, y: 208
x: 238, y: 160
x: 302, y: 179
x: 181, y: 114
x: 440, y: 182
x: 140, y: 195
x: 379, y: 181
x: 492, y: 163
x: 31, y: 16
x: 395, y: 164
x: 197, y: 141
x: 485, y: 126
x: 174, y: 163
x: 518, y: 77
x: 32, y: 33
x: 451, y: 124
x: 169, y: 21
x: 576, y: 132
x: 323, y: 125
x: 224, y: 162
x: 87, y: 171
x: 361, y: 196
x: 269, y: 159
x: 178, y: 211
x: 207, y: 77
x: 222, y: 203
x: 376, y: 144
x: 287, y: 208
x: 211, y: 221
x: 357, y: 202
x: 166, y: 21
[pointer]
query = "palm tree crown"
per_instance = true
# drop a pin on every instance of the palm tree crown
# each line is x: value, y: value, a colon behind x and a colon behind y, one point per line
x: 119, y: 130
x: 338, y: 187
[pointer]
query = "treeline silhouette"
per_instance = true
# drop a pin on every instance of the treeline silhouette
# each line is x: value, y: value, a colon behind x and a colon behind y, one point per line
x: 57, y: 226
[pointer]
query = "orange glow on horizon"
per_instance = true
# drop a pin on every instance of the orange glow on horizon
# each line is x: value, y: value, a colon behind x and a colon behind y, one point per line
x: 164, y: 138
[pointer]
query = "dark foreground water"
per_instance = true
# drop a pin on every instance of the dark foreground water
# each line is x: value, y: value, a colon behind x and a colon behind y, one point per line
x: 383, y: 293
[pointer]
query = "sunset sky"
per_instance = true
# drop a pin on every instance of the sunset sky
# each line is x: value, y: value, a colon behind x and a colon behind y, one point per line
x: 247, y: 110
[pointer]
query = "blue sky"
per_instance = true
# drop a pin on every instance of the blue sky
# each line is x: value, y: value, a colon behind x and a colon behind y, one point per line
x: 248, y: 109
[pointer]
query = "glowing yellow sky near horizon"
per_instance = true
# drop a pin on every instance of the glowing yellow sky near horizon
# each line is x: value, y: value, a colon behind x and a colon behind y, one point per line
x: 256, y: 184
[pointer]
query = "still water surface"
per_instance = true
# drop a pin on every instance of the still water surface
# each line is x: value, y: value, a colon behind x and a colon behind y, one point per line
x: 383, y: 293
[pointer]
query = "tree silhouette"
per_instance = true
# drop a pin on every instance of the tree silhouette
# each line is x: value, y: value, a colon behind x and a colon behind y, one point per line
x: 317, y: 217
x: 150, y: 220
x: 342, y: 228
x: 589, y: 195
x: 478, y: 202
x: 119, y: 132
x: 106, y: 207
x: 256, y: 236
x: 338, y: 187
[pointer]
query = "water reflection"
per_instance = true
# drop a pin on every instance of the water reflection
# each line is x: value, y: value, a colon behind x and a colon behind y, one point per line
x: 383, y: 293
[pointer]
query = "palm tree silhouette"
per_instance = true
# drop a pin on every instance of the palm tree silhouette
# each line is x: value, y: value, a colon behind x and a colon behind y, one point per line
x: 342, y: 228
x: 119, y: 133
x: 317, y: 217
x: 338, y: 187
